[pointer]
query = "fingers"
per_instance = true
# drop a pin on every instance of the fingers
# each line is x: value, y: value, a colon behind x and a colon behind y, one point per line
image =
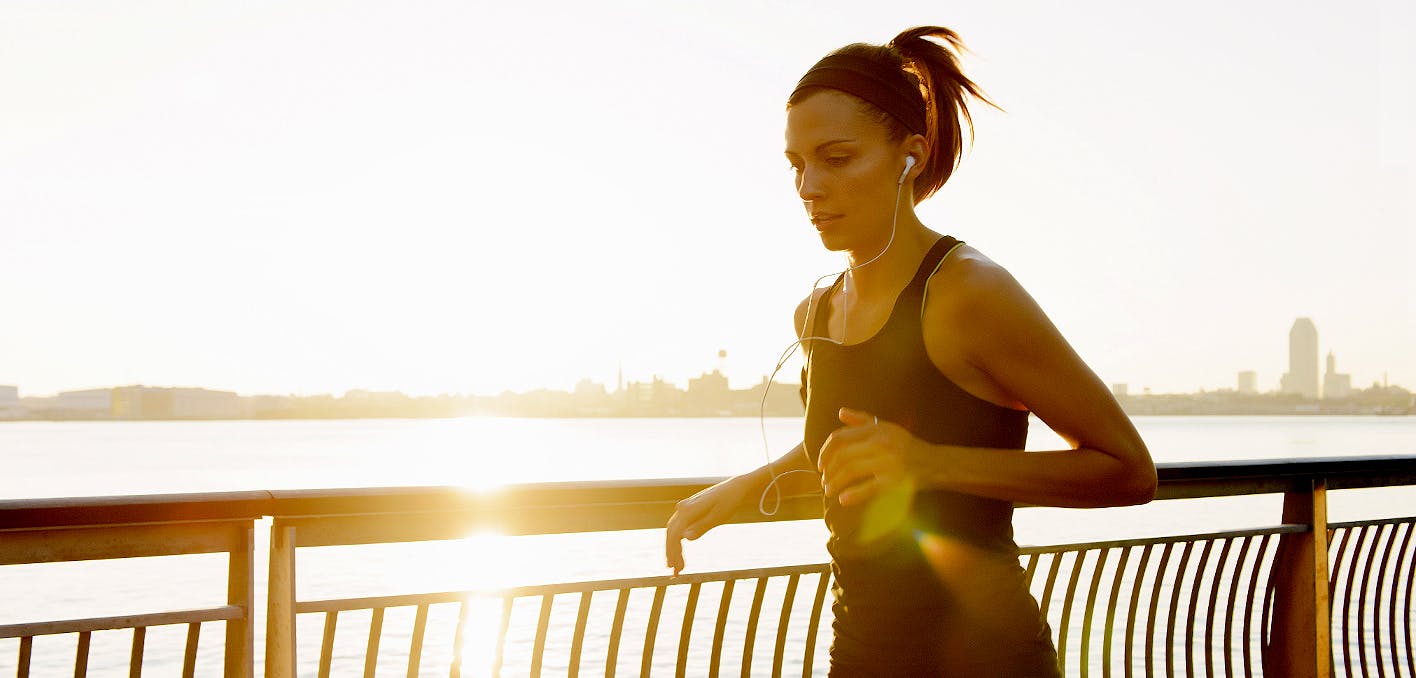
x: 840, y: 442
x: 673, y: 553
x: 688, y: 522
x: 680, y: 527
x: 848, y: 473
x: 851, y: 417
x: 861, y: 492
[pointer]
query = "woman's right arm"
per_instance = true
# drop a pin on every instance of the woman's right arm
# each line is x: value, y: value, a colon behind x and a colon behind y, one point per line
x: 713, y: 506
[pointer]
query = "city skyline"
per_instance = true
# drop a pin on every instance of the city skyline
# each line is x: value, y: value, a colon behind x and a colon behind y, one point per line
x: 1302, y: 359
x: 200, y: 194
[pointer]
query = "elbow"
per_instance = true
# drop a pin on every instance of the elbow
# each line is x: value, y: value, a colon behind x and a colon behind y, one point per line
x: 1139, y: 485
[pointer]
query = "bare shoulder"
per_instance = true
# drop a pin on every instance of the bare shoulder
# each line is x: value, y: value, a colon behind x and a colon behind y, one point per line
x: 969, y: 285
x: 976, y: 318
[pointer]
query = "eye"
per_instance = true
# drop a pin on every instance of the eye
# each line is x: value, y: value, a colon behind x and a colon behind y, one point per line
x: 838, y: 160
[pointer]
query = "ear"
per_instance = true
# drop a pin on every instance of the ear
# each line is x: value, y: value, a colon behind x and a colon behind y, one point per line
x: 915, y: 145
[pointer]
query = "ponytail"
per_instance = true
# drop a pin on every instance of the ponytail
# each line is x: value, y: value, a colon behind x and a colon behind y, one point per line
x: 928, y: 66
x: 946, y: 109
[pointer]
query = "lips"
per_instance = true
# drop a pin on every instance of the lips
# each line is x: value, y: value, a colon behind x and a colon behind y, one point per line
x: 823, y: 219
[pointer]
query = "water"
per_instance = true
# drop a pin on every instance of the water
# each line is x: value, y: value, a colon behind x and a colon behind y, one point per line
x: 56, y: 459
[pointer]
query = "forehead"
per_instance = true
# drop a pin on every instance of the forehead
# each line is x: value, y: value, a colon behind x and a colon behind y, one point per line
x: 829, y: 115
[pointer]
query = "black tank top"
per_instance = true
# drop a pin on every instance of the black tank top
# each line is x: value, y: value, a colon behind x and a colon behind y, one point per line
x: 927, y: 584
x: 891, y: 376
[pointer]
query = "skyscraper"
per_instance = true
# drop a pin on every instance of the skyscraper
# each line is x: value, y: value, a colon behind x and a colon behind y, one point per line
x: 1248, y: 382
x: 1335, y: 385
x: 1302, y: 376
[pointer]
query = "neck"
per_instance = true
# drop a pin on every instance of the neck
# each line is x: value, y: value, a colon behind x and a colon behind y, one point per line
x: 882, y: 266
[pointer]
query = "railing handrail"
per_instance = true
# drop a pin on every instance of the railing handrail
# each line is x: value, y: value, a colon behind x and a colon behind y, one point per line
x: 59, y: 529
x: 1178, y: 480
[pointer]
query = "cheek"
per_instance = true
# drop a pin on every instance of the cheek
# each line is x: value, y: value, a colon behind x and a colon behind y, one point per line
x: 868, y: 183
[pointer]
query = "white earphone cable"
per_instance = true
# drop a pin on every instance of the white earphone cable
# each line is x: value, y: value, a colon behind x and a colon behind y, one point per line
x: 807, y: 325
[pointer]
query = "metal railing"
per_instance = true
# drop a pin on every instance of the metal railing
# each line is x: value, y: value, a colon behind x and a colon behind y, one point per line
x: 1302, y: 597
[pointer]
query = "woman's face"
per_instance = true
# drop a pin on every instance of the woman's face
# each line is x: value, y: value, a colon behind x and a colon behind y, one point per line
x: 846, y: 168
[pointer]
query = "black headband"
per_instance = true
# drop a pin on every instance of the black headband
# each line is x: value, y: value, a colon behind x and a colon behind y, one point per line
x: 886, y: 88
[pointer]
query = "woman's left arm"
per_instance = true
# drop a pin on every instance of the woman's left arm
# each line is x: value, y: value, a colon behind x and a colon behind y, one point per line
x: 1009, y: 339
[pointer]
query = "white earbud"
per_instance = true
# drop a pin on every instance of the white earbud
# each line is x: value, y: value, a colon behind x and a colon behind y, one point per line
x: 909, y: 162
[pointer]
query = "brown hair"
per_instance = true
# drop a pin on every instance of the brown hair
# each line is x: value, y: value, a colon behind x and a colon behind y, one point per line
x: 933, y: 68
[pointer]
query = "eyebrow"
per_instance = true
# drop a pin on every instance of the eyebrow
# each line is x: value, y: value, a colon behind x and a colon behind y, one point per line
x: 824, y: 144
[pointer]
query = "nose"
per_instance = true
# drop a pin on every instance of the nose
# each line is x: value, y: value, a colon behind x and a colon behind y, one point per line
x: 809, y: 183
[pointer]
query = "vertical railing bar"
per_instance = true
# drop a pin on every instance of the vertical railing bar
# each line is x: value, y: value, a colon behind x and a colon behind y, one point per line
x: 687, y: 629
x: 81, y: 655
x: 26, y: 649
x: 1194, y: 610
x: 415, y: 645
x: 327, y: 642
x: 1376, y: 605
x: 1078, y: 561
x: 1337, y: 572
x: 1031, y: 569
x: 616, y: 630
x: 1268, y: 602
x: 1052, y: 571
x: 135, y: 658
x: 371, y: 652
x: 239, y: 650
x: 1111, y: 611
x: 1396, y: 599
x: 280, y: 650
x: 1154, y: 606
x: 543, y: 624
x: 577, y: 641
x: 1410, y: 579
x: 751, y: 637
x: 715, y: 656
x: 1234, y: 585
x: 1347, y: 600
x: 651, y: 631
x: 1135, y: 606
x: 1214, y: 605
x: 455, y: 670
x: 503, y: 625
x: 1249, y: 604
x: 1338, y: 561
x: 1181, y: 570
x: 1362, y: 601
x: 189, y: 659
x: 1089, y: 613
x: 785, y: 620
x: 815, y: 622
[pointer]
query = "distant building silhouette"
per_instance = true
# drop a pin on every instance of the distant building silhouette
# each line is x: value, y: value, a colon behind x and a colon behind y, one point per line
x: 1119, y: 390
x: 9, y: 401
x: 1302, y: 376
x: 709, y: 395
x: 150, y: 402
x: 1248, y: 382
x: 1335, y: 385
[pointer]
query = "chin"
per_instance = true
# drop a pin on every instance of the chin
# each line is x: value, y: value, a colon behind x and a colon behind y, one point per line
x: 833, y: 242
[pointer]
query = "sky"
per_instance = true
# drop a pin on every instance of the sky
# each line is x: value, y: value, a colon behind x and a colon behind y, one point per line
x: 469, y: 197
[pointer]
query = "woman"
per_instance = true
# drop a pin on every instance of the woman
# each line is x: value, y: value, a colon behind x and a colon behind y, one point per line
x: 923, y: 361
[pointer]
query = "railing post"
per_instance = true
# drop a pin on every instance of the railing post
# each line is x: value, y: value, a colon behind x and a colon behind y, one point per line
x: 280, y: 607
x: 240, y: 591
x: 1300, y: 642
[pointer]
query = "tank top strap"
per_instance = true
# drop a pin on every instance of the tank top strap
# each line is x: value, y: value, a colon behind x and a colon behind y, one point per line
x: 821, y: 310
x: 941, y: 248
